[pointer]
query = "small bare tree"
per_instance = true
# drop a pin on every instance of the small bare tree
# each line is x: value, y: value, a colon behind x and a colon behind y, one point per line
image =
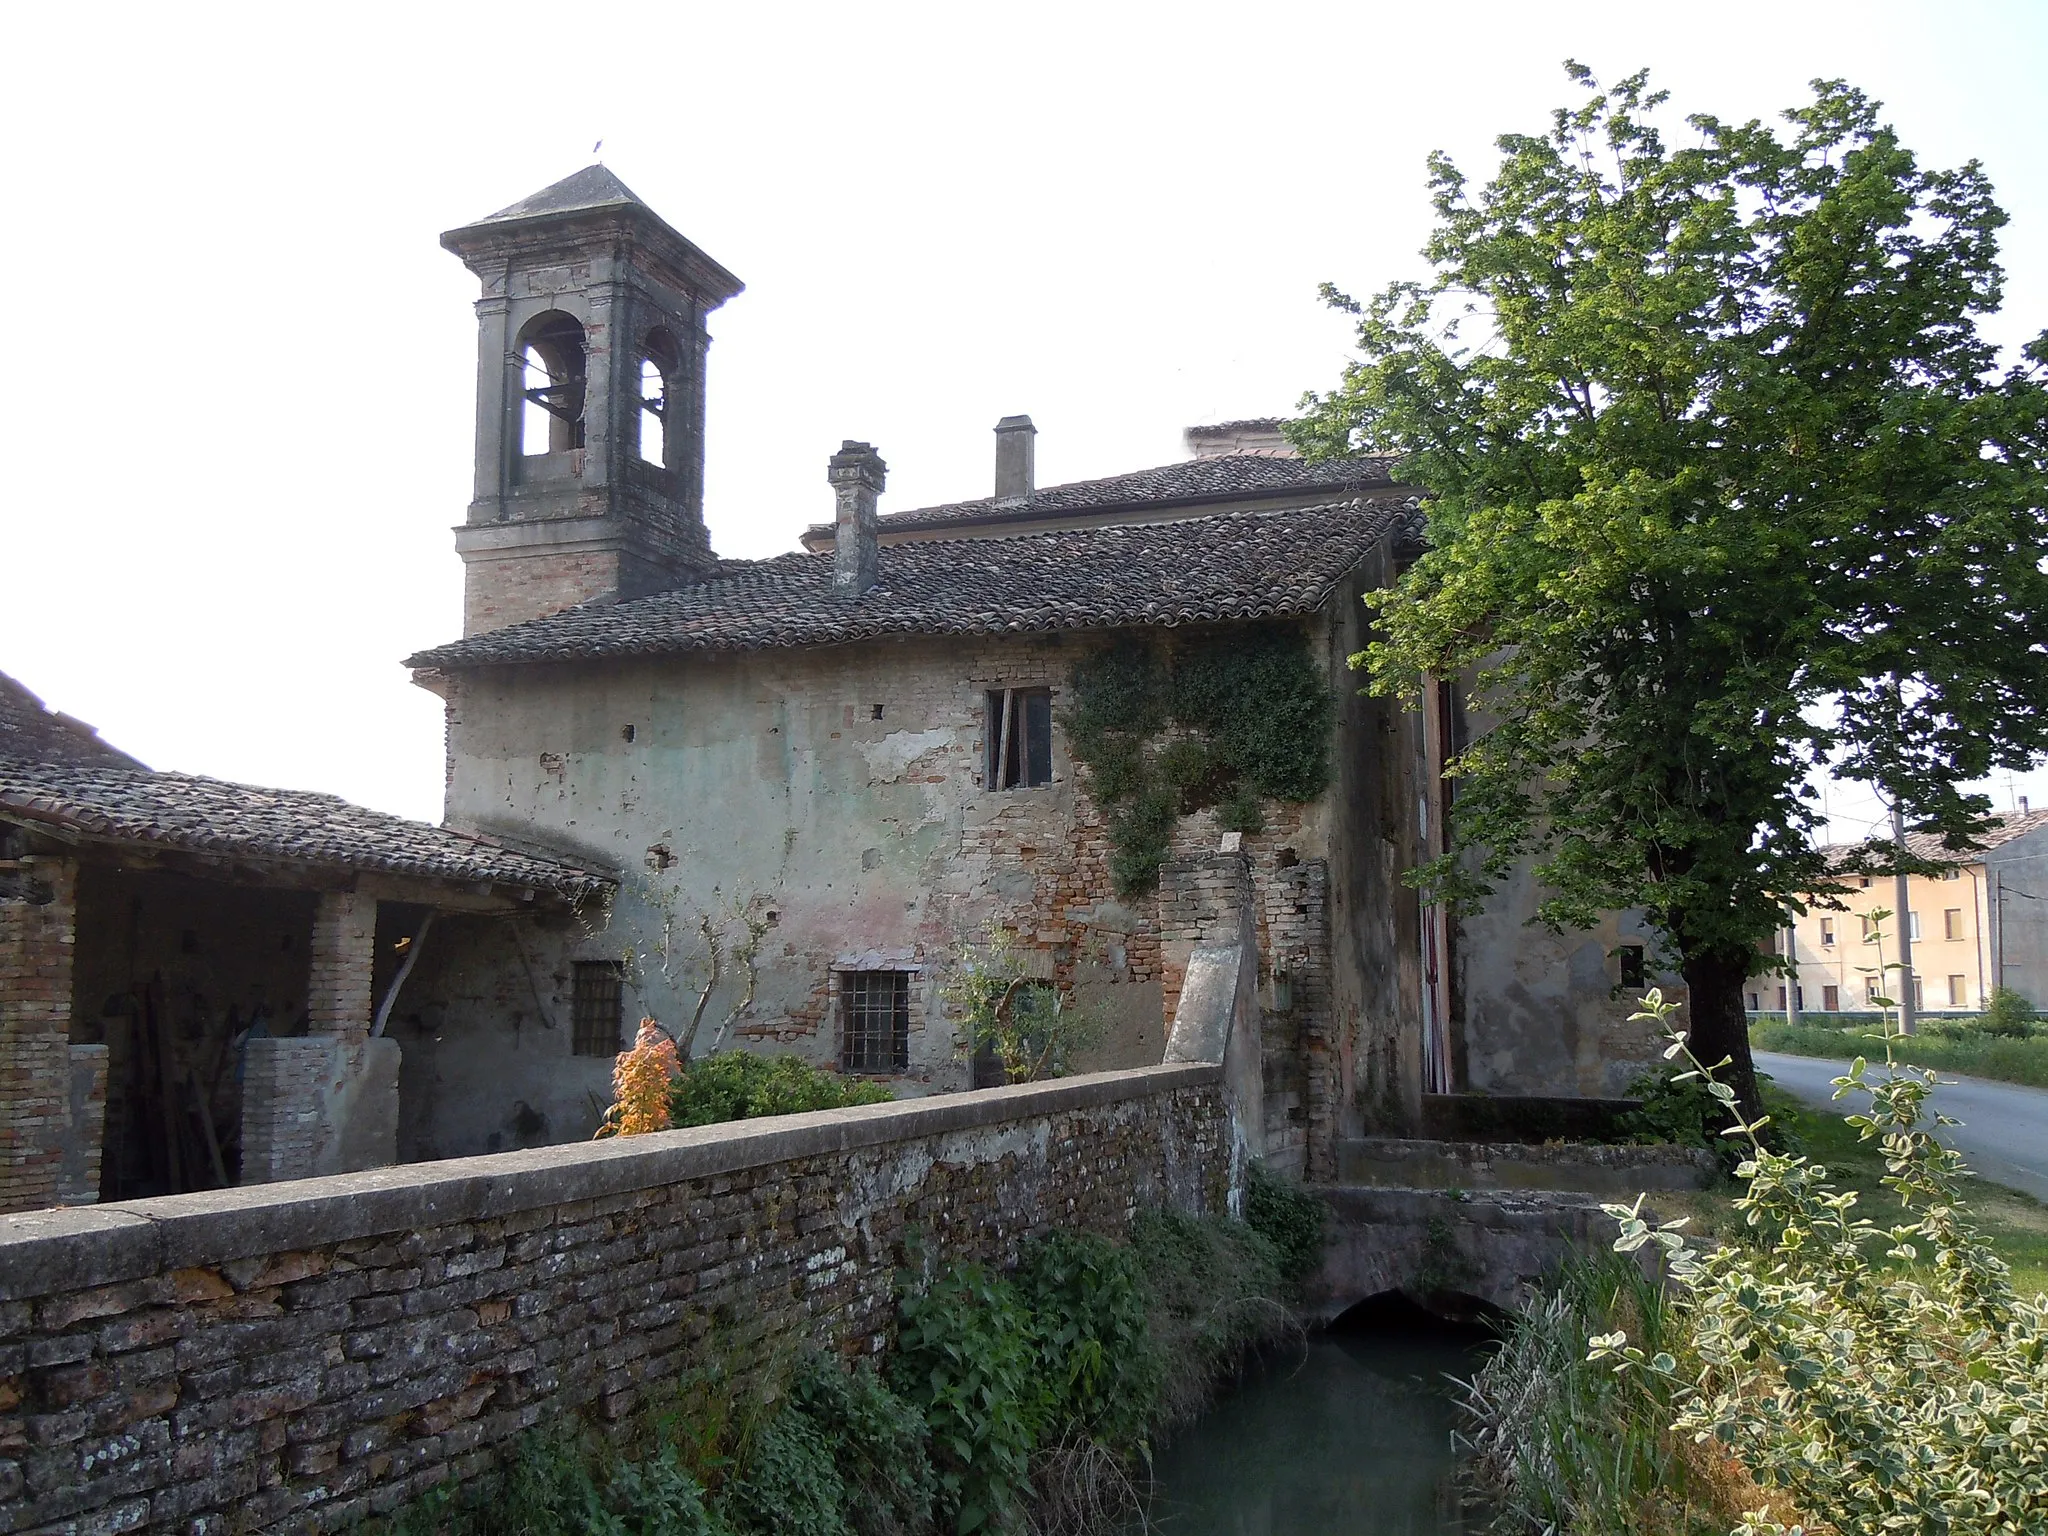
x: 727, y: 935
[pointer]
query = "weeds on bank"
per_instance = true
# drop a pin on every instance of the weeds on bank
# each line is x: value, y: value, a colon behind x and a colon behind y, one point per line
x: 1023, y: 1402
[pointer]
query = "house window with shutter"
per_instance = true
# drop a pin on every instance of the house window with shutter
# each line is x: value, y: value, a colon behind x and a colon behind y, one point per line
x: 1831, y: 999
x: 1019, y: 732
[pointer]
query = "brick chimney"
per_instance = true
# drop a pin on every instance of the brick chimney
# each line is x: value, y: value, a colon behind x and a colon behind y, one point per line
x: 1015, y: 471
x: 857, y: 474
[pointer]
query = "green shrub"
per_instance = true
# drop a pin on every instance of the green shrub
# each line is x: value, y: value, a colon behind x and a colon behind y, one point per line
x: 1288, y: 1217
x: 1215, y: 1287
x: 2007, y: 1015
x: 557, y: 1484
x: 738, y: 1085
x: 966, y: 1357
x: 1089, y: 1319
x: 790, y: 1485
x: 887, y: 1485
x: 1879, y: 1378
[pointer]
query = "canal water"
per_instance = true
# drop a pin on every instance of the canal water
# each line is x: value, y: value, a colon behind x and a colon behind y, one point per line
x: 1349, y: 1435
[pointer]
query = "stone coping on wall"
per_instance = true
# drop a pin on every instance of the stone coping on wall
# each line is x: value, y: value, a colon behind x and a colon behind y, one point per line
x: 64, y: 1249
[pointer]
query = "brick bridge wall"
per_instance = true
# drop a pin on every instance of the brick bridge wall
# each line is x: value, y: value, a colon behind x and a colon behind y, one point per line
x: 296, y: 1356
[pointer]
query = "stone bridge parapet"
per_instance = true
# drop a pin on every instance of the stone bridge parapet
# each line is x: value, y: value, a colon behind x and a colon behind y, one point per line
x: 299, y: 1355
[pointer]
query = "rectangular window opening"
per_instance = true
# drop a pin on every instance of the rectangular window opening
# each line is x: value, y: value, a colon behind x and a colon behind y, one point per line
x: 1952, y: 923
x: 1958, y: 991
x: 597, y: 1007
x: 1913, y: 925
x: 1831, y: 999
x: 874, y: 1022
x: 1870, y: 989
x: 1827, y: 930
x: 1019, y: 732
x: 1632, y: 965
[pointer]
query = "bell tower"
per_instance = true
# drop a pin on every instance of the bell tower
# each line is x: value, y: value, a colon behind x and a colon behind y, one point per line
x: 591, y: 344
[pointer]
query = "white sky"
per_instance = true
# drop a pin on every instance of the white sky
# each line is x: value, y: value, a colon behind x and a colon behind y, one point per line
x: 238, y: 391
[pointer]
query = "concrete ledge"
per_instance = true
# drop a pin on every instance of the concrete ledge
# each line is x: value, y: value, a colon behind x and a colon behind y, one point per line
x: 137, y: 1238
x: 68, y: 1247
x: 1587, y: 1168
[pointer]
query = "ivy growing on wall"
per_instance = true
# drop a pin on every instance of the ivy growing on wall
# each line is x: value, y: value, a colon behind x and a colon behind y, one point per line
x: 1228, y: 722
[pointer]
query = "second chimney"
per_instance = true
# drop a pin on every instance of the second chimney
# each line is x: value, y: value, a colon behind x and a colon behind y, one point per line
x: 857, y: 474
x: 1015, y: 440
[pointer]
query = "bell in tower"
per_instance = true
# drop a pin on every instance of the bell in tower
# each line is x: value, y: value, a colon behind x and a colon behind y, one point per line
x: 590, y: 402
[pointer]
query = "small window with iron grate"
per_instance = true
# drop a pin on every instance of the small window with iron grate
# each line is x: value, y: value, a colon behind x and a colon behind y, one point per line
x: 597, y: 1007
x: 1019, y: 732
x: 874, y: 1022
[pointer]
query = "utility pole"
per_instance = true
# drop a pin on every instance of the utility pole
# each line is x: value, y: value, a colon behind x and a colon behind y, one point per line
x: 1792, y: 975
x: 1902, y: 893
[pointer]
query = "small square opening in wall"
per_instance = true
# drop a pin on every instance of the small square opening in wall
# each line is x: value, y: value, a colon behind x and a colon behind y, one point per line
x: 874, y: 1021
x: 1019, y: 735
x: 597, y: 1007
x: 1632, y: 965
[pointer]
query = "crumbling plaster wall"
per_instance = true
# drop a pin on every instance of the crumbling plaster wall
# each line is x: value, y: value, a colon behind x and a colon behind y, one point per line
x: 1364, y: 1070
x: 840, y: 790
x: 1545, y: 1013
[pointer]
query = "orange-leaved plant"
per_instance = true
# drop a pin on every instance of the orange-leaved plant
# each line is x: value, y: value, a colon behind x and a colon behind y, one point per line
x: 640, y: 1084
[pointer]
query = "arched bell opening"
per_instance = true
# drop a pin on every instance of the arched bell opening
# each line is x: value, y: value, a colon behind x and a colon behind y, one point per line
x: 660, y: 364
x: 554, y: 377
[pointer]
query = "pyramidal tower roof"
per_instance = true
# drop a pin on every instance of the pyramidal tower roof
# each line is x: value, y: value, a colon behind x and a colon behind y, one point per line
x: 591, y: 187
x: 575, y: 208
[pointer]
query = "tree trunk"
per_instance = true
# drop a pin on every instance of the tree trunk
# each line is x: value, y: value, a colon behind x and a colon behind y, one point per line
x: 1717, y: 1027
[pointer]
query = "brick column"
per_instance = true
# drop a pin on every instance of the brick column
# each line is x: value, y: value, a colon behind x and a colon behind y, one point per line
x: 38, y: 932
x: 326, y: 1102
x: 344, y: 949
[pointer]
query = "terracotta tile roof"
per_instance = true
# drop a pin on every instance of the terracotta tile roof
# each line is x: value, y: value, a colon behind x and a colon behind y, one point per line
x: 1873, y: 854
x: 30, y: 729
x: 1233, y: 566
x: 1228, y: 477
x: 201, y: 815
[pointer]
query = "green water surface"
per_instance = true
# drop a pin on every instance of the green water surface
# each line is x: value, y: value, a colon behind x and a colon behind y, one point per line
x: 1347, y: 1436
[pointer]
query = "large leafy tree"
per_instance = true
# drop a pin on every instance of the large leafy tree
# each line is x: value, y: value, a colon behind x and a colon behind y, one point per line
x: 1725, y: 487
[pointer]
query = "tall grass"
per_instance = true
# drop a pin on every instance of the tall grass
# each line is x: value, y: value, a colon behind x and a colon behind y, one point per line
x: 1560, y: 1444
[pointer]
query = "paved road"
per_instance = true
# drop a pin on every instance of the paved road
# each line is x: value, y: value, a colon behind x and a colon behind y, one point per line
x: 2004, y: 1130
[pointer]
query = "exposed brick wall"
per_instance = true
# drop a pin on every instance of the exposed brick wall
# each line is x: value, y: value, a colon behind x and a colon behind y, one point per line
x: 1301, y: 1087
x: 79, y: 1183
x: 344, y: 955
x: 284, y: 1087
x: 299, y: 1357
x: 38, y: 933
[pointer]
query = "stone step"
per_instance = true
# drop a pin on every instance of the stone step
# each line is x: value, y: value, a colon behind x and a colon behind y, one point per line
x: 1388, y: 1162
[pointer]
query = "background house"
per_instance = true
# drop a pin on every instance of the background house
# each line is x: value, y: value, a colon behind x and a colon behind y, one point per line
x: 1979, y: 924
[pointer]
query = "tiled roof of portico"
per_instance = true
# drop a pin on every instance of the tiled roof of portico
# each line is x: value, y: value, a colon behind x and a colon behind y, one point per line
x: 212, y: 816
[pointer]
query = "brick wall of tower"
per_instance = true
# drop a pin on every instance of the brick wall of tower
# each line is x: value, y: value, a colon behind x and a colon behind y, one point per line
x: 502, y: 592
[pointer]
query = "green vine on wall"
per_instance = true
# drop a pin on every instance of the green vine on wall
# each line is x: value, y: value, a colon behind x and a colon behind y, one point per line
x: 1228, y: 722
